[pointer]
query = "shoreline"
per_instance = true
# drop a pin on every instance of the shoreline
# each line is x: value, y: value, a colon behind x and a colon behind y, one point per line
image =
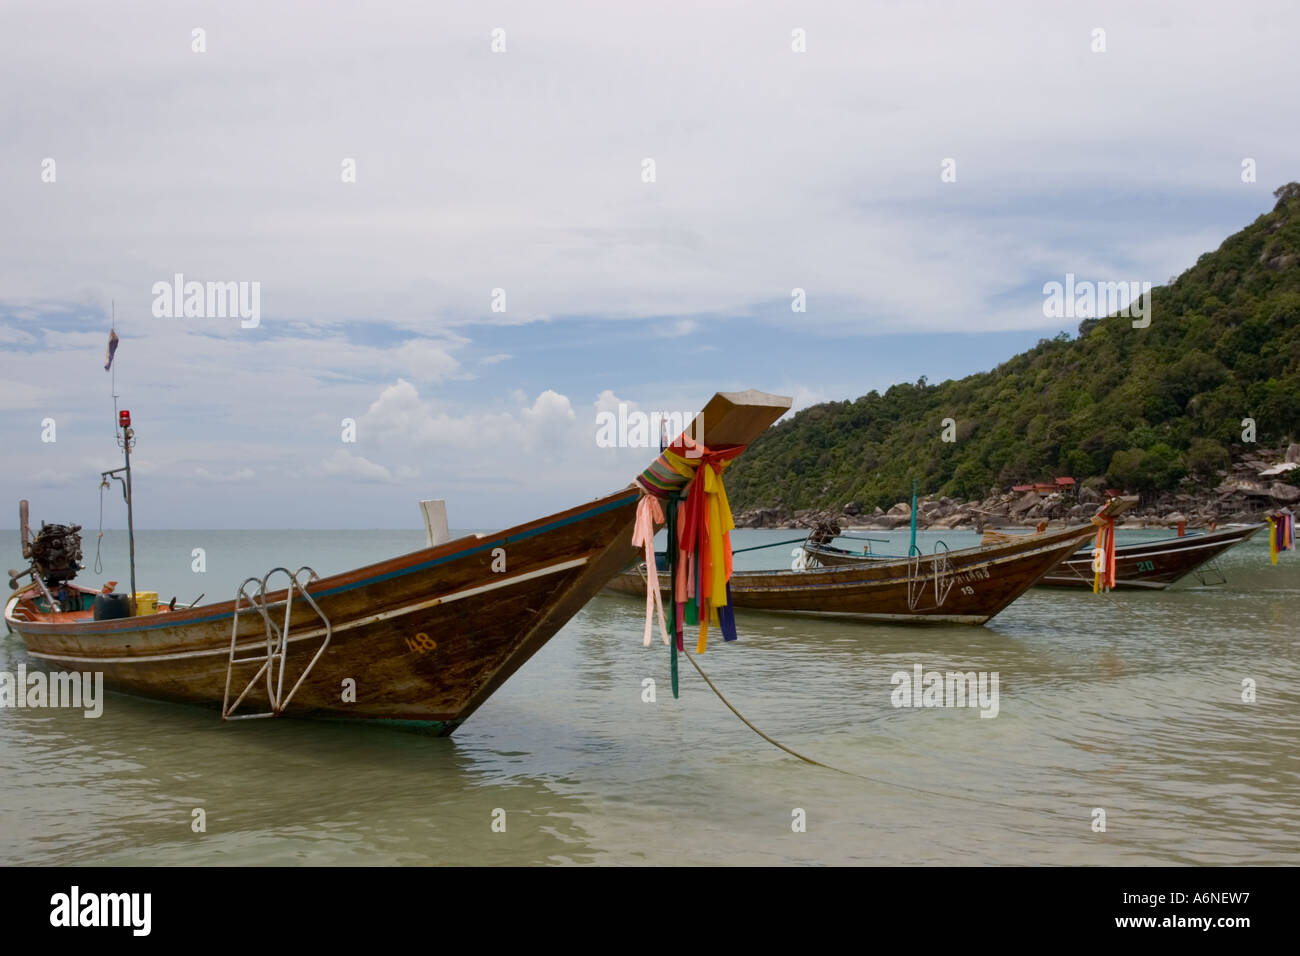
x: 942, y: 514
x: 1246, y: 496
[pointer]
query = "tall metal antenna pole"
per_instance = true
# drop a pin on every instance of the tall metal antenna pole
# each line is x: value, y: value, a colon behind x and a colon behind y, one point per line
x: 128, y: 436
x: 126, y: 440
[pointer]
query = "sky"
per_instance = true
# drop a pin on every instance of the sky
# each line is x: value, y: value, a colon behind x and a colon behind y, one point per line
x: 460, y: 245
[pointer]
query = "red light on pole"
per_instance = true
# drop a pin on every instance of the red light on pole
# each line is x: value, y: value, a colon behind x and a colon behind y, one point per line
x: 124, y: 418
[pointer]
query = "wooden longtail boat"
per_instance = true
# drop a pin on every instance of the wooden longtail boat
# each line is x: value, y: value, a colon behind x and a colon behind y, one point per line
x: 968, y: 586
x: 424, y: 638
x: 1150, y: 565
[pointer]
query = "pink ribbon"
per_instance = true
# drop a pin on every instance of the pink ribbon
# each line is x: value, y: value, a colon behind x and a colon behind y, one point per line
x: 648, y: 514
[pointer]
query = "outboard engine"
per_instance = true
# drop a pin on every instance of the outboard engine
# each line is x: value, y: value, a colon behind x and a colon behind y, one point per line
x: 56, y: 553
x: 55, y: 556
x: 823, y: 533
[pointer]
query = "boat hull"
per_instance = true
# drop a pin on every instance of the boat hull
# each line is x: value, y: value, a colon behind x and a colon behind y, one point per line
x: 421, y: 640
x: 450, y: 631
x: 969, y: 586
x: 1151, y: 565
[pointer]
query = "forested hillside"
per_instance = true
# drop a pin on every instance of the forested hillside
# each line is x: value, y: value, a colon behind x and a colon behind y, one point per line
x: 1145, y: 408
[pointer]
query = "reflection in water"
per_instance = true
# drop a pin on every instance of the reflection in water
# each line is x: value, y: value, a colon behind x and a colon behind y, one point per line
x: 1127, y: 702
x: 122, y: 789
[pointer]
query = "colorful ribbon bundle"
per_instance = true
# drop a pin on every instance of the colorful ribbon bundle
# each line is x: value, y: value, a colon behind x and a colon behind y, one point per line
x: 688, y: 478
x: 1281, y: 534
x: 1103, y: 555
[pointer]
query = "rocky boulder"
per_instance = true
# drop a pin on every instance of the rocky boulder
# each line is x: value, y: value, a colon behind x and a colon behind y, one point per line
x: 1025, y: 504
x: 1287, y: 494
x: 890, y: 521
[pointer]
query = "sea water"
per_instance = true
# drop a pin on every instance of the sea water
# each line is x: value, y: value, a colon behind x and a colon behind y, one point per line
x: 1175, y: 713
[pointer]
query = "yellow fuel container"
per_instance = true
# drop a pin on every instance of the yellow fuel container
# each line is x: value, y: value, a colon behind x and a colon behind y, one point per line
x: 146, y: 602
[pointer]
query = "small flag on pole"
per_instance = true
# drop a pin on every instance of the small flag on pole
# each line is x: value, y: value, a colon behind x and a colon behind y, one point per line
x: 112, y: 349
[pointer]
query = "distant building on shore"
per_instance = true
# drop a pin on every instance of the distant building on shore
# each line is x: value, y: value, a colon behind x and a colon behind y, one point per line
x: 1065, y: 486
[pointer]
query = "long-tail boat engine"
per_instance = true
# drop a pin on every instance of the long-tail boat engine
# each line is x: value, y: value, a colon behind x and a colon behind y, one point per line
x: 56, y: 553
x: 55, y: 556
x: 823, y: 533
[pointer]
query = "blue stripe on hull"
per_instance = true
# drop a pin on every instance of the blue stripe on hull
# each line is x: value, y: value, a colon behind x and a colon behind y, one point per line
x: 486, y: 545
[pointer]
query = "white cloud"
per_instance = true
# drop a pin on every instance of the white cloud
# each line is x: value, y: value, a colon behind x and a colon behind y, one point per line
x: 607, y: 401
x: 343, y: 464
x: 57, y: 477
x: 550, y: 410
x: 400, y: 416
x: 804, y: 397
x: 11, y: 335
x: 775, y: 169
x: 537, y: 455
x: 677, y: 328
x: 429, y: 361
x: 237, y: 474
x: 59, y: 340
x: 19, y: 396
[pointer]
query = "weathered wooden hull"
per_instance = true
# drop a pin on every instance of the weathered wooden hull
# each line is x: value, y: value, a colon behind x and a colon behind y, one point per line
x: 419, y: 640
x: 479, y: 626
x: 1151, y: 565
x: 968, y: 586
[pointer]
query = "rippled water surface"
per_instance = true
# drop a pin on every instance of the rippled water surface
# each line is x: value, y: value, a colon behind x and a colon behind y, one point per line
x: 1131, y: 703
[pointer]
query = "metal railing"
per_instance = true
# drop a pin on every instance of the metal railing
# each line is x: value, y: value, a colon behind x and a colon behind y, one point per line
x: 277, y: 643
x: 940, y: 570
x: 1210, y: 574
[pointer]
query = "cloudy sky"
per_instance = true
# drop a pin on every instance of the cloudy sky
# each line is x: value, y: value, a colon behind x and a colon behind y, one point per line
x: 381, y: 172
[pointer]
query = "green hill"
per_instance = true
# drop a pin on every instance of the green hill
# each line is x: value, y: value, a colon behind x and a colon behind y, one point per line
x: 1145, y: 408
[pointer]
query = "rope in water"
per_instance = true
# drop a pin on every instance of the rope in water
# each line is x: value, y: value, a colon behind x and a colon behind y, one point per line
x: 848, y: 773
x: 775, y: 743
x: 666, y: 479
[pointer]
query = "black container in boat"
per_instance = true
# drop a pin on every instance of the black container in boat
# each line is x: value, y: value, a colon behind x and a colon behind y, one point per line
x: 110, y: 607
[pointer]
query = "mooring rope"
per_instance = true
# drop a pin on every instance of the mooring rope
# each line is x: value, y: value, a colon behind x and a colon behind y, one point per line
x: 775, y: 743
x: 774, y: 544
x: 848, y: 773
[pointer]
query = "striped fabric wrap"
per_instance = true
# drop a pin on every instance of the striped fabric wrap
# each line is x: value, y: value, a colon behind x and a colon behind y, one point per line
x: 700, y: 554
x: 661, y: 479
x: 672, y: 470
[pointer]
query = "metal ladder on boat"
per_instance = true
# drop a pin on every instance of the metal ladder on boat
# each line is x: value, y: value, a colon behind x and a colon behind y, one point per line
x: 940, y: 568
x: 1210, y: 574
x: 277, y: 643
